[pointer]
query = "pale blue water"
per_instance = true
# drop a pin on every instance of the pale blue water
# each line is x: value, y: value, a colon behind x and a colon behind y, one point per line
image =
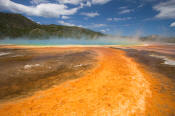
x: 54, y: 42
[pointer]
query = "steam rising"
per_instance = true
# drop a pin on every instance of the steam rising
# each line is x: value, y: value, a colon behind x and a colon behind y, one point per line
x: 71, y: 41
x: 106, y: 40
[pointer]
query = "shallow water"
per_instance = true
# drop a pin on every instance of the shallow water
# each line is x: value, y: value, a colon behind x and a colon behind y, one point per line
x: 167, y: 61
x: 4, y: 53
x: 45, y: 42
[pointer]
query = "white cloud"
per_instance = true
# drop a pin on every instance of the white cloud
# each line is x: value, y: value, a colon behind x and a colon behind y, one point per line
x: 124, y: 11
x: 75, y: 2
x: 123, y: 7
x: 119, y: 19
x: 92, y: 26
x: 100, y: 1
x: 38, y: 22
x: 165, y: 9
x: 90, y: 14
x: 68, y: 24
x: 109, y: 19
x: 172, y: 24
x: 38, y: 1
x: 98, y: 25
x: 122, y: 19
x: 30, y: 18
x: 140, y: 6
x: 65, y: 17
x: 88, y: 4
x: 65, y: 23
x: 103, y: 31
x: 43, y: 9
x: 83, y: 2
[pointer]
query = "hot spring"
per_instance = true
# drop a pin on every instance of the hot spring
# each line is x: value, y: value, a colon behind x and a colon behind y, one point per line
x: 69, y: 41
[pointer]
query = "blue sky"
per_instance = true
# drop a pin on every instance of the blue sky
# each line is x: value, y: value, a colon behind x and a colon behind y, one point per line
x: 118, y: 17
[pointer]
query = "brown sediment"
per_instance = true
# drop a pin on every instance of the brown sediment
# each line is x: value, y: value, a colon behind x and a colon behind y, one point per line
x: 24, y: 70
x: 117, y: 86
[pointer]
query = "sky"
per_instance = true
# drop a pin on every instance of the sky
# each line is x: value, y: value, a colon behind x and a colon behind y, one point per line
x: 117, y: 17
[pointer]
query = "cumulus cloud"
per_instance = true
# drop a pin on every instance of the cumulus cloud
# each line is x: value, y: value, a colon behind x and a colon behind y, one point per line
x: 165, y: 9
x: 43, y: 9
x: 172, y: 24
x: 90, y: 14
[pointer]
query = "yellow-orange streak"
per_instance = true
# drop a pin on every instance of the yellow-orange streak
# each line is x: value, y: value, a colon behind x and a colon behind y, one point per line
x: 114, y: 87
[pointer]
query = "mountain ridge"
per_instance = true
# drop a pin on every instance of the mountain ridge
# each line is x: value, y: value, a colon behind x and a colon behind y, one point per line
x: 16, y: 25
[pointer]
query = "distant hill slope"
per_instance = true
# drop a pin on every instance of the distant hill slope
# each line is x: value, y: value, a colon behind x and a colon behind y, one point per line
x: 157, y: 38
x: 16, y: 25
